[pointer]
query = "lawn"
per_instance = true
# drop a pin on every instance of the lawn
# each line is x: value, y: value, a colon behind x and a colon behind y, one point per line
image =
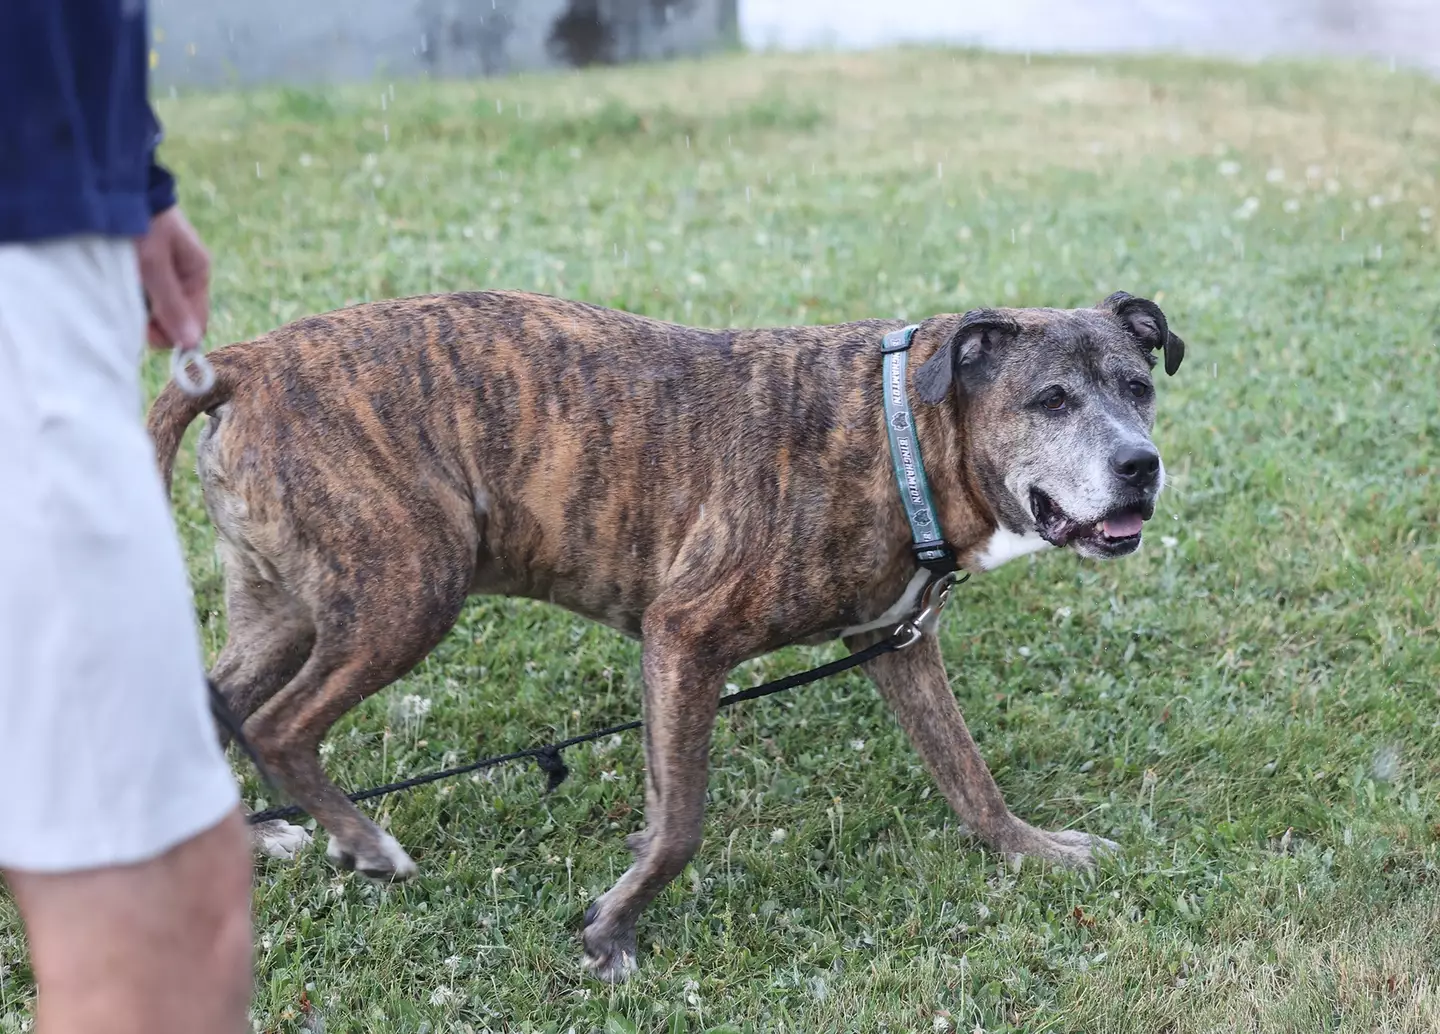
x: 1250, y: 705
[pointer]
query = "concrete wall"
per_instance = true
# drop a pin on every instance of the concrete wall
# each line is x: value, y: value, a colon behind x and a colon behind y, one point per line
x: 1407, y: 31
x: 220, y: 42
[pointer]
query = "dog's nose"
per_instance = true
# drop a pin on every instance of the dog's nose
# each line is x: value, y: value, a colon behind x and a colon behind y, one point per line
x: 1136, y: 465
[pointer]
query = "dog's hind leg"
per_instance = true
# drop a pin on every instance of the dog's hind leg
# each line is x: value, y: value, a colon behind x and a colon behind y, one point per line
x: 363, y: 642
x: 288, y: 730
x: 914, y: 684
x: 269, y: 630
x: 269, y: 635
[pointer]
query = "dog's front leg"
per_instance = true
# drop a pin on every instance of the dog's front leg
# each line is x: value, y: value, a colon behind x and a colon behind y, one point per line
x: 683, y: 676
x: 914, y: 684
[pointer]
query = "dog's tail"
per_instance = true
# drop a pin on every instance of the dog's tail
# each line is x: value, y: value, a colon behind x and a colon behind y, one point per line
x: 173, y: 412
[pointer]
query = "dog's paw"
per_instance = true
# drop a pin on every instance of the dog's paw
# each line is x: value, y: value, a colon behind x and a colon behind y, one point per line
x: 615, y: 968
x: 609, y: 957
x: 1071, y: 848
x: 279, y: 839
x: 383, y: 859
x: 1091, y: 844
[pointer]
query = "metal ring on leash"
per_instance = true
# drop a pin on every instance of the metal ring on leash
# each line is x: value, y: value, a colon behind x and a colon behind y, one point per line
x: 906, y: 635
x: 203, y: 381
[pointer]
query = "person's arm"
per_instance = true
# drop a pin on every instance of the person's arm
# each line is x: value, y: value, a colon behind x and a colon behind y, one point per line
x: 174, y: 265
x: 160, y: 189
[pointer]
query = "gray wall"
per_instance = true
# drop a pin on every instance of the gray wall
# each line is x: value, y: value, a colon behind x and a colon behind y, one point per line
x: 216, y: 43
x: 1406, y: 31
x: 219, y: 42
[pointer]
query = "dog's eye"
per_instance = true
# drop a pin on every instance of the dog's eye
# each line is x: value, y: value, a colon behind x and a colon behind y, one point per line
x: 1053, y: 400
x: 1140, y: 389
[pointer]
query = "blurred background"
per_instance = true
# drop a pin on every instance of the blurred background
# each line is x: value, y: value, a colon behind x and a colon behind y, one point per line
x: 209, y: 42
x: 1249, y: 704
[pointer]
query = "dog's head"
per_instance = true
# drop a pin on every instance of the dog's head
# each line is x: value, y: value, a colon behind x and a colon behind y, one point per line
x: 1057, y: 406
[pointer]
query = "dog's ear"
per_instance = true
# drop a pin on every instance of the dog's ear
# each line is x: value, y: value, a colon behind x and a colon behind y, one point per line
x: 1146, y: 323
x: 964, y: 356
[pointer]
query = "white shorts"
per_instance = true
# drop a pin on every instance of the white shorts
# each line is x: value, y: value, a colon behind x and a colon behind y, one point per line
x: 108, y: 752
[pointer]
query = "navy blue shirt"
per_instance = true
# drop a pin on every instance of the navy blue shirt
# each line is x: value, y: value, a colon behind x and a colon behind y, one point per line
x: 77, y: 134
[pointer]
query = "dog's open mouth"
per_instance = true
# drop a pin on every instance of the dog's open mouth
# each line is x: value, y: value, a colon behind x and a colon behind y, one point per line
x: 1115, y: 534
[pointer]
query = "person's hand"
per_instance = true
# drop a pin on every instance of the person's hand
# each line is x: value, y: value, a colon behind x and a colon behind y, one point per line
x: 175, y: 273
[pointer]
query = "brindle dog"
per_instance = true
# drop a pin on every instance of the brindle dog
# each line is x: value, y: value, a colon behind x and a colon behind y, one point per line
x: 716, y: 494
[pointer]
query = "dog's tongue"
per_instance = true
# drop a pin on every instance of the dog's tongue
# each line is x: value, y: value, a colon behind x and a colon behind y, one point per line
x: 1122, y: 526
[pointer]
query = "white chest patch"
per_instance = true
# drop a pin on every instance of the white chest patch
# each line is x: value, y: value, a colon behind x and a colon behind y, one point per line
x: 1003, y: 545
x: 1006, y: 545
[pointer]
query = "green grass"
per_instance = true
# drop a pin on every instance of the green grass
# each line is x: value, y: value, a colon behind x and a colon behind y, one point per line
x: 1250, y: 705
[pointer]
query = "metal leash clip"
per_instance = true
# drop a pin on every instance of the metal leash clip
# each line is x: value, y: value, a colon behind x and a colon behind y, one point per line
x: 932, y: 601
x: 180, y: 361
x: 180, y: 358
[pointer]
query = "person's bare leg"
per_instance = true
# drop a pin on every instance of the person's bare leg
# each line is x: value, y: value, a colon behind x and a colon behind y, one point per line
x: 159, y: 947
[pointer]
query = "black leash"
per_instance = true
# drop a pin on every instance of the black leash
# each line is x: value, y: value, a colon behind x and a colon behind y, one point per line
x: 548, y: 757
